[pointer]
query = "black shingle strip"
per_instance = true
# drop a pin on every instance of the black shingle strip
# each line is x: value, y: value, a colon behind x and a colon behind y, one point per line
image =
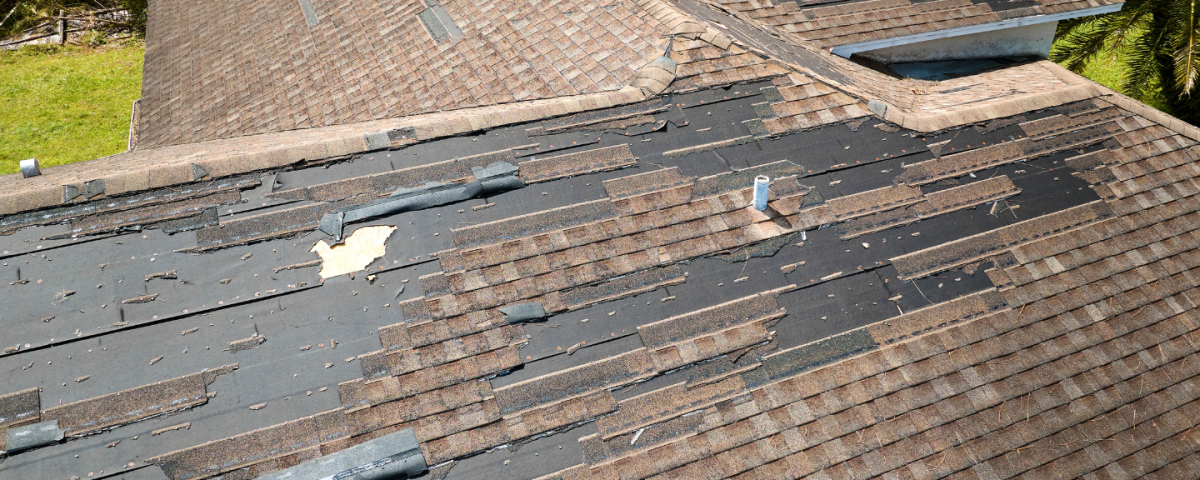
x: 612, y: 371
x: 310, y: 13
x: 385, y: 183
x: 525, y: 225
x: 791, y: 362
x: 977, y: 247
x: 267, y: 226
x: 228, y: 454
x: 131, y: 405
x: 20, y: 408
x: 645, y: 182
x: 744, y: 178
x: 578, y: 163
x: 149, y: 215
x: 106, y: 205
x: 709, y: 320
x: 631, y: 284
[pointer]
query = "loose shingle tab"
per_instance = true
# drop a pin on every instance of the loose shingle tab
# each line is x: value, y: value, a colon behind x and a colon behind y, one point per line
x: 632, y: 284
x: 740, y: 179
x: 645, y: 182
x: 99, y: 413
x: 975, y: 248
x: 534, y: 223
x: 710, y: 320
x: 230, y: 454
x: 788, y: 363
x: 20, y: 407
x: 571, y: 164
x: 614, y: 371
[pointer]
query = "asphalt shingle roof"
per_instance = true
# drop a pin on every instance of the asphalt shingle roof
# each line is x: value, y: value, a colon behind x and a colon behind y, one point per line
x: 987, y: 277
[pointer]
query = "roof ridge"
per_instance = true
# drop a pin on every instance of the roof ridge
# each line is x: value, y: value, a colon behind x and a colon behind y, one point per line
x: 139, y: 170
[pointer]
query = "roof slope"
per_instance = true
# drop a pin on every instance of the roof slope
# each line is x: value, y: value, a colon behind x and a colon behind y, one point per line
x: 863, y: 21
x: 967, y: 281
x: 212, y: 75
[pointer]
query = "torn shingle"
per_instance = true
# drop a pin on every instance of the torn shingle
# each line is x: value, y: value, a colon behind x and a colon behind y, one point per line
x: 976, y: 247
x: 128, y: 406
x: 644, y: 183
x: 533, y: 223
x: 219, y: 456
x: 613, y: 371
x: 571, y: 164
x: 710, y: 320
x: 622, y: 286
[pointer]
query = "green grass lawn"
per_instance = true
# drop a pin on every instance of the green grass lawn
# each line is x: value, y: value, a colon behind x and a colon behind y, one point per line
x: 63, y: 105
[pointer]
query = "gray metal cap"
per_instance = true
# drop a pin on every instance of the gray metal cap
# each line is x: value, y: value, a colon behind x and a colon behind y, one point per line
x: 29, y: 168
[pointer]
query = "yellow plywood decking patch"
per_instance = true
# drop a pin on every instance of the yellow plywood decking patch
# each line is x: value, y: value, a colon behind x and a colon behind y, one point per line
x: 358, y: 251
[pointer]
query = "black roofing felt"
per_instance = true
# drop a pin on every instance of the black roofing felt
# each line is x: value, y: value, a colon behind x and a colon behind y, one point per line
x: 91, y: 332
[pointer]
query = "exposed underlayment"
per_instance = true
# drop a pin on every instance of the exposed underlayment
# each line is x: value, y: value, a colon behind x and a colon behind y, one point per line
x: 988, y: 277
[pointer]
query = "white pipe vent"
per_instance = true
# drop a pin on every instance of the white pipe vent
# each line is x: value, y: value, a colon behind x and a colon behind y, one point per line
x: 761, y: 192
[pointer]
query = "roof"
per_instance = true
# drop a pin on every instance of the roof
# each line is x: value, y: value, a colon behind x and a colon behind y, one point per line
x: 212, y: 75
x: 985, y: 277
x: 826, y: 26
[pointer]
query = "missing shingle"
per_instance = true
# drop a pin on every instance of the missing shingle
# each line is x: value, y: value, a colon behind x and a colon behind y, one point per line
x: 439, y: 24
x: 310, y: 13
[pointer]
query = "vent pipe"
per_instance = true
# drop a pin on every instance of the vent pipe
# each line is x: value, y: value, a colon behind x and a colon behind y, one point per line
x: 761, y: 184
x: 29, y: 168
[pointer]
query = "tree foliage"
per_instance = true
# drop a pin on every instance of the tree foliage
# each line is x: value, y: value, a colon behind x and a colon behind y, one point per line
x: 1157, y: 42
x: 24, y: 17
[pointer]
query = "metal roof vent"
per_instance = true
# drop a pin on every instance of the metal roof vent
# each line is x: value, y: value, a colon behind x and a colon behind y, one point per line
x: 438, y: 23
x: 761, y: 184
x: 29, y: 168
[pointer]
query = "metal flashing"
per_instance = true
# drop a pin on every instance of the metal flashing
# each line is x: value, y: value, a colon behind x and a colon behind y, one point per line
x: 310, y: 13
x: 36, y: 435
x: 851, y: 48
x: 496, y: 177
x: 393, y: 456
x: 439, y: 24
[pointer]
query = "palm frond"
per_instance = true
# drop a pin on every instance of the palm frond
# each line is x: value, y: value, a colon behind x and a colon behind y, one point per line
x: 1184, y: 27
x: 1131, y: 22
x: 1143, y: 61
x: 1080, y: 41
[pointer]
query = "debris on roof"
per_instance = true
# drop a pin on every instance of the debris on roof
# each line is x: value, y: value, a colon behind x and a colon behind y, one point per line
x: 566, y: 276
